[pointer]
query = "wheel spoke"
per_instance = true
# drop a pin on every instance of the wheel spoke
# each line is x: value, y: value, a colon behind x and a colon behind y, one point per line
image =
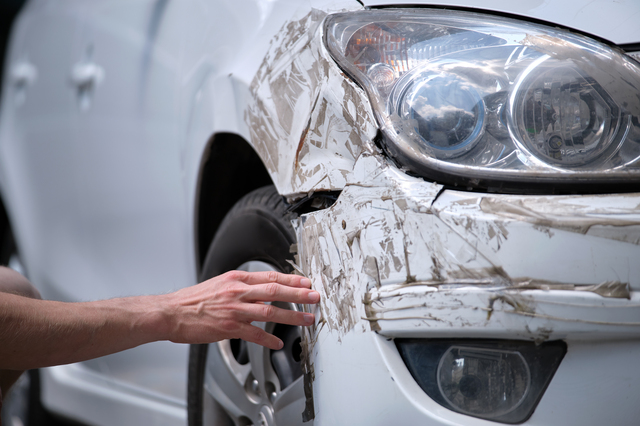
x: 293, y: 393
x: 260, y: 361
x: 226, y: 382
x: 290, y: 404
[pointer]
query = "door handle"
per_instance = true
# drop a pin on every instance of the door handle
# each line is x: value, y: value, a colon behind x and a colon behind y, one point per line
x: 85, y: 75
x: 24, y: 74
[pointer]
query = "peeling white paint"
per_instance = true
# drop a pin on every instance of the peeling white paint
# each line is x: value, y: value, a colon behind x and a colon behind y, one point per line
x: 307, y: 121
x: 617, y: 222
x: 359, y: 242
x: 405, y: 258
x: 389, y: 229
x: 473, y: 311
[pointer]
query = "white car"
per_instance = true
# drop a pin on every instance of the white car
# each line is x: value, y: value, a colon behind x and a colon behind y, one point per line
x: 459, y: 179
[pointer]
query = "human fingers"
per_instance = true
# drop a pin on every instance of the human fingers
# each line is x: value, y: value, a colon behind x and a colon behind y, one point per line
x: 253, y: 334
x: 265, y: 277
x: 271, y: 313
x: 280, y: 293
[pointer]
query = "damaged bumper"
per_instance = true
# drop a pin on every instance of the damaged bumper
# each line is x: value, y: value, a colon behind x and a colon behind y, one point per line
x: 398, y: 258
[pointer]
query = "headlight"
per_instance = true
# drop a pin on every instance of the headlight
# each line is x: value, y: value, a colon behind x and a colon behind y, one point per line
x: 491, y: 102
x: 498, y: 380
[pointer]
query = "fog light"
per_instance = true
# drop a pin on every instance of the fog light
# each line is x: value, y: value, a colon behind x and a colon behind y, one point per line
x: 492, y: 379
x: 483, y: 381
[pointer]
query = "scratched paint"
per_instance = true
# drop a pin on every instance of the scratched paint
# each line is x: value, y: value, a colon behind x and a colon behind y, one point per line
x: 475, y: 311
x: 334, y: 243
x: 564, y: 213
x: 307, y: 121
x: 403, y: 257
x: 314, y: 129
x: 389, y: 229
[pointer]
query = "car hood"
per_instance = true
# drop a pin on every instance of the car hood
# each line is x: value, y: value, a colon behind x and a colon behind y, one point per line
x: 613, y: 20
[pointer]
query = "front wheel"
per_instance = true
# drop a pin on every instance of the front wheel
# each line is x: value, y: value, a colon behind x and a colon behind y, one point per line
x: 233, y: 382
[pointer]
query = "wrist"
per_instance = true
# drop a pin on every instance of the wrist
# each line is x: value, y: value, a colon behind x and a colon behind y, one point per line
x: 152, y: 317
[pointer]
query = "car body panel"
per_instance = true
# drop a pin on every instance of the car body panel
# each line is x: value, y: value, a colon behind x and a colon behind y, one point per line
x: 400, y: 257
x: 98, y: 212
x: 101, y: 185
x: 386, y: 390
x: 306, y: 121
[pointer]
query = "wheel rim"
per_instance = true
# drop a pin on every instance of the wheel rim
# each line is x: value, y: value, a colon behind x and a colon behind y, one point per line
x: 251, y: 390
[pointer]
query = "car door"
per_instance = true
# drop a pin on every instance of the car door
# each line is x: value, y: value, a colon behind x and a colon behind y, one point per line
x: 131, y: 232
x: 94, y: 180
x: 38, y: 163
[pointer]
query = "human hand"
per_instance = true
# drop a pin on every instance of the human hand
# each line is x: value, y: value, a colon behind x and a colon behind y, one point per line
x: 224, y: 307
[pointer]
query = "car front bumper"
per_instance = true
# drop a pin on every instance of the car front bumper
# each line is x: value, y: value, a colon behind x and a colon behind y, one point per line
x: 399, y: 257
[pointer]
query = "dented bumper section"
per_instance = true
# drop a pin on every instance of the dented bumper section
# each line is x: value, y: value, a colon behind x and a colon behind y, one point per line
x: 476, y: 311
x: 397, y: 257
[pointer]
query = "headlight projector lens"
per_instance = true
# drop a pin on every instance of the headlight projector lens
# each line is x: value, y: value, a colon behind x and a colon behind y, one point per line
x: 562, y: 117
x: 447, y: 113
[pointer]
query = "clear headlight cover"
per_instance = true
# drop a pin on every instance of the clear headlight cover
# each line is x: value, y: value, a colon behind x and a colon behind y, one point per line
x: 488, y: 102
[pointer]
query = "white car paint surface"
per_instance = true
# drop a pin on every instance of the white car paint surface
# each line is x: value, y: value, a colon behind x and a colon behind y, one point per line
x: 109, y: 110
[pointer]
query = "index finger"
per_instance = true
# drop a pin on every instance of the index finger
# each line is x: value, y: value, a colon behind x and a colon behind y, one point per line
x: 266, y: 277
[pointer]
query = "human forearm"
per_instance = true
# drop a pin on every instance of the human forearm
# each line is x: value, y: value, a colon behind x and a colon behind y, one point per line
x: 36, y: 333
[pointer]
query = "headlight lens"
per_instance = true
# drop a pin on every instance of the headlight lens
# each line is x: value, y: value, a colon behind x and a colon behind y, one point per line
x: 482, y: 100
x: 498, y: 380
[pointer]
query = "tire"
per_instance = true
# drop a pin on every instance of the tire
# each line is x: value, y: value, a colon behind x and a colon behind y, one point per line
x: 234, y: 382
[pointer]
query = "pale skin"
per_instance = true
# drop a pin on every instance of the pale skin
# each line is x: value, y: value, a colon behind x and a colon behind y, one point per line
x: 38, y: 333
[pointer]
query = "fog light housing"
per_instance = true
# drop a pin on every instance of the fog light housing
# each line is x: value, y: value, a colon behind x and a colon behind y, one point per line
x: 496, y: 380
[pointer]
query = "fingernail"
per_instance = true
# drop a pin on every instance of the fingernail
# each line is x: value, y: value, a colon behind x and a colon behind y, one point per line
x: 314, y: 297
x: 280, y: 344
x: 308, y: 318
x: 305, y: 282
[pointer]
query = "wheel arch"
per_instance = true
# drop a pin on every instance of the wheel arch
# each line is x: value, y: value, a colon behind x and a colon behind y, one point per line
x: 230, y: 168
x: 7, y: 243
